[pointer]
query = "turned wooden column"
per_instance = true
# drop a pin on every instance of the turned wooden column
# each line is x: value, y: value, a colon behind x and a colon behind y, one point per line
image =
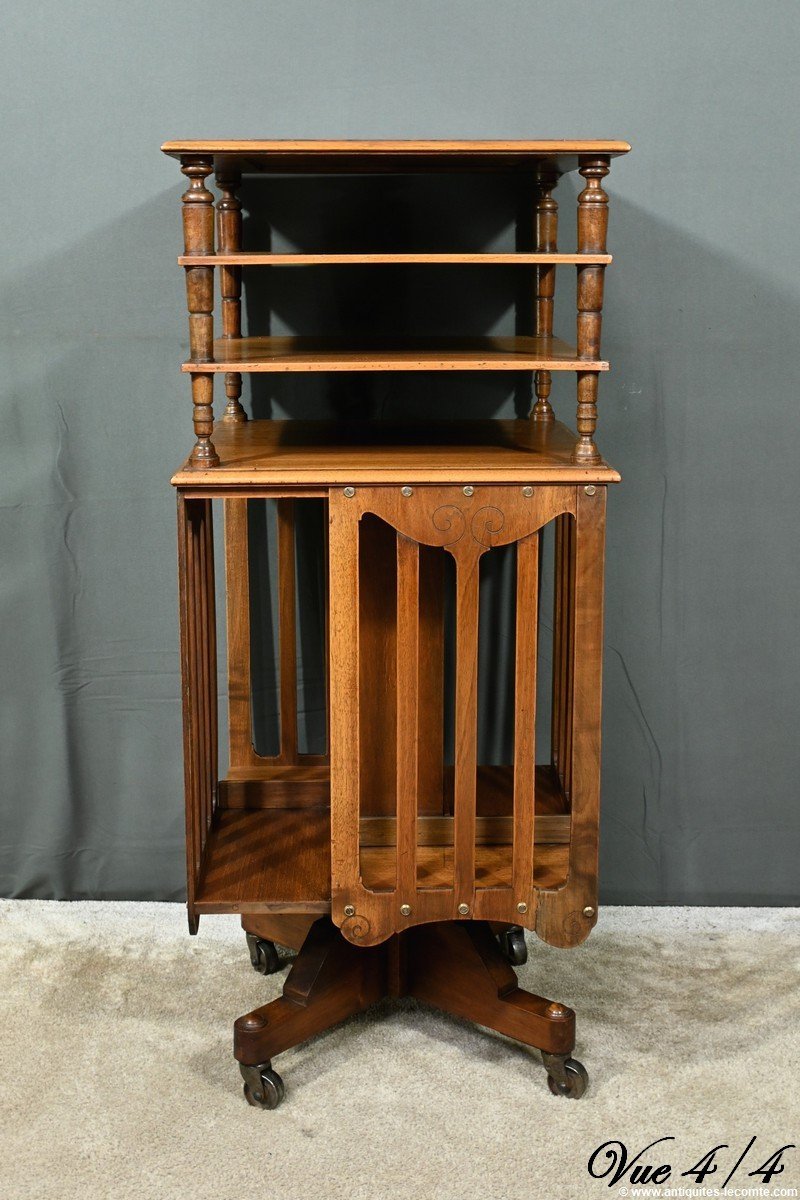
x: 198, y: 239
x: 592, y: 227
x: 229, y: 240
x: 546, y: 243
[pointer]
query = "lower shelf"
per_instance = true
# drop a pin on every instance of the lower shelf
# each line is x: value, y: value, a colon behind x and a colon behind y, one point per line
x: 277, y: 860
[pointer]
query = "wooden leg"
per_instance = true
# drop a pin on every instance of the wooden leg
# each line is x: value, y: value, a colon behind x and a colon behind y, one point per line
x: 458, y: 967
x: 330, y: 980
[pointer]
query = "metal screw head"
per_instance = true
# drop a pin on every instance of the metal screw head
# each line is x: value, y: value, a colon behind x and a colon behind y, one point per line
x: 463, y: 909
x: 590, y: 490
x: 349, y: 492
x: 406, y: 491
x: 527, y: 491
x: 349, y: 910
x: 405, y: 910
x: 522, y: 907
x: 588, y: 911
x: 469, y: 490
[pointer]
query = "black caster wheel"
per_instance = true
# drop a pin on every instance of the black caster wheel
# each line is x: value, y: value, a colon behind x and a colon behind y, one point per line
x: 263, y: 955
x: 263, y: 1087
x: 512, y: 944
x: 567, y: 1077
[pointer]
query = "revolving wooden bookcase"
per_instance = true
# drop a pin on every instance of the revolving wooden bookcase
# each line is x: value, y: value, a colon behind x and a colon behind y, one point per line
x: 396, y: 867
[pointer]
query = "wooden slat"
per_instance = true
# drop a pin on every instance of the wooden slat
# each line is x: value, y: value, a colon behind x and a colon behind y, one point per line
x: 435, y: 867
x: 440, y: 831
x: 237, y: 588
x: 407, y: 757
x: 430, y: 715
x: 210, y: 649
x: 287, y: 630
x: 345, y: 734
x: 255, y: 258
x: 296, y: 454
x: 525, y: 715
x: 293, y: 353
x: 466, y: 725
x: 570, y: 655
x: 275, y: 793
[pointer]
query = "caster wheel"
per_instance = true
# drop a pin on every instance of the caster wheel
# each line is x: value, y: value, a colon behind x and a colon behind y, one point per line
x: 575, y: 1082
x: 512, y: 944
x: 263, y: 955
x: 263, y: 1087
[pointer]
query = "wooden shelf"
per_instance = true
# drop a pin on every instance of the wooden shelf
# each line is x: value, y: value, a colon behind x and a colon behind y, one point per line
x: 256, y: 354
x: 256, y: 258
x: 266, y: 859
x: 372, y: 157
x: 325, y: 454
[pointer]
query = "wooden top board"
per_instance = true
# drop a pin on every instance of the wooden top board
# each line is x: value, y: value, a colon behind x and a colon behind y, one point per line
x: 332, y: 156
x: 320, y: 454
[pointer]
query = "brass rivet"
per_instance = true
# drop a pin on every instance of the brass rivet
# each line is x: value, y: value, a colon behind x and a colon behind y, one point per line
x: 522, y: 907
x: 588, y: 911
x: 406, y: 491
x: 556, y: 1010
x: 349, y: 492
x: 469, y: 490
x: 405, y: 909
x: 590, y: 490
x: 349, y: 910
x: 463, y: 909
x: 527, y: 491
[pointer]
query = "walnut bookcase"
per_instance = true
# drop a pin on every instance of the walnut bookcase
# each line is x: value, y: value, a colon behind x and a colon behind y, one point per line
x: 391, y: 869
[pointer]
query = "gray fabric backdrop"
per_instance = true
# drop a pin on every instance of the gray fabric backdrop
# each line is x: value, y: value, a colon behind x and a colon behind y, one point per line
x: 700, y: 411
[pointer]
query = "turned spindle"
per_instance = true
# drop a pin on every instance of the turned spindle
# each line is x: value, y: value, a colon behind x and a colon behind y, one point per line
x: 198, y: 239
x: 592, y: 228
x: 229, y: 240
x: 546, y: 243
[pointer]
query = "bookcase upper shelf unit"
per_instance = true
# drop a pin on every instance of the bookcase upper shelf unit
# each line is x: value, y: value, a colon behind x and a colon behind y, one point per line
x: 213, y: 246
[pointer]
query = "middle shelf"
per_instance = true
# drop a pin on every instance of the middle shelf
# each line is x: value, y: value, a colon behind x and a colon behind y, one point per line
x: 262, y: 858
x: 484, y: 353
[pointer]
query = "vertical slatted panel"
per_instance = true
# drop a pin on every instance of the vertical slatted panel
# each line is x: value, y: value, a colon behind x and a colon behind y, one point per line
x: 466, y: 726
x: 525, y: 714
x: 288, y: 631
x: 407, y: 714
x: 237, y: 590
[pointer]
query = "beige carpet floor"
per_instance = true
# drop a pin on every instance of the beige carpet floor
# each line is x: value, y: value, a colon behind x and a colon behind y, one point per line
x: 117, y: 1078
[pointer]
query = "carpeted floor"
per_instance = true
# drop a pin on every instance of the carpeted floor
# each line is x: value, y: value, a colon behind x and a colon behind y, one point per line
x: 117, y: 1078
